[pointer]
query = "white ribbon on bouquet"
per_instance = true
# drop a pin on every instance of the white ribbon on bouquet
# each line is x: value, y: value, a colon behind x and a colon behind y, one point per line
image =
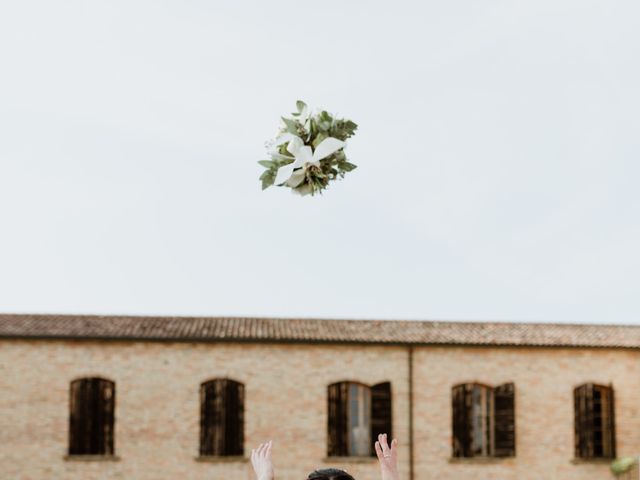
x: 302, y: 157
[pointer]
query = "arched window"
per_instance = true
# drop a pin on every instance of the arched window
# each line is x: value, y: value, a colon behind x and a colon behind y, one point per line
x: 91, y: 416
x: 221, y: 418
x: 483, y: 420
x: 594, y: 421
x: 357, y: 413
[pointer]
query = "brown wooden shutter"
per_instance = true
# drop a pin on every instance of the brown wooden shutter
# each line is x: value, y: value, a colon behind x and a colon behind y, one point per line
x: 205, y: 436
x: 107, y: 394
x: 461, y: 420
x: 611, y: 424
x: 98, y: 416
x: 583, y: 422
x: 75, y: 417
x: 218, y: 405
x: 381, y: 412
x: 337, y: 424
x: 504, y: 437
x: 91, y: 417
x: 210, y: 421
x: 234, y: 418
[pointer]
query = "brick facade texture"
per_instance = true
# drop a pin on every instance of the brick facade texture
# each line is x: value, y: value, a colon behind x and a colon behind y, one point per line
x: 157, y: 406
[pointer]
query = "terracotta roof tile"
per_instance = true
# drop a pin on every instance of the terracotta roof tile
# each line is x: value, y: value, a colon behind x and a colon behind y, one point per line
x: 208, y: 329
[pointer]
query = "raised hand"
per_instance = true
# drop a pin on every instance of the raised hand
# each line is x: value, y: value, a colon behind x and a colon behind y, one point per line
x: 388, y: 457
x: 261, y: 461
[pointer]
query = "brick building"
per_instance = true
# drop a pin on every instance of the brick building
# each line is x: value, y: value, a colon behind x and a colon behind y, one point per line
x: 141, y: 398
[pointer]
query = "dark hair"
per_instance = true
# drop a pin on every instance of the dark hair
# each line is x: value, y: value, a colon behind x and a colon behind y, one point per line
x: 329, y: 474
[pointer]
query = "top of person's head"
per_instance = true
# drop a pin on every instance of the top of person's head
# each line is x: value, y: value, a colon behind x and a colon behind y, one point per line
x: 329, y: 474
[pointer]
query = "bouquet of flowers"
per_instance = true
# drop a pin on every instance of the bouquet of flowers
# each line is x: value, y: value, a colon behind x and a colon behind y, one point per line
x: 308, y: 152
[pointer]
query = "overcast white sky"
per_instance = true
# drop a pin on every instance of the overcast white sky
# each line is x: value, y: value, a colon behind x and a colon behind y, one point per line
x: 498, y: 152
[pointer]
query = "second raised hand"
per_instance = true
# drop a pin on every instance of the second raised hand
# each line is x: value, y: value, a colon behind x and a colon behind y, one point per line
x: 388, y: 457
x: 261, y: 461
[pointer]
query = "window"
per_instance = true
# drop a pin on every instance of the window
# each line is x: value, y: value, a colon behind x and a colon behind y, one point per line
x: 483, y: 419
x: 91, y: 416
x: 594, y: 421
x: 357, y: 413
x: 221, y: 418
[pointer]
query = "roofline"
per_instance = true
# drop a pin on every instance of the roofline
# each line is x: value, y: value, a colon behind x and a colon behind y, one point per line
x: 150, y: 339
x: 323, y: 319
x: 514, y: 334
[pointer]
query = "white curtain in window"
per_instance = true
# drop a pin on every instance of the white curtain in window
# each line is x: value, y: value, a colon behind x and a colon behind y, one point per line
x: 359, y: 420
x: 482, y: 425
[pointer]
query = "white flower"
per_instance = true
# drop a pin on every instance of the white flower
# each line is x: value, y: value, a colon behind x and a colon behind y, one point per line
x: 303, y: 157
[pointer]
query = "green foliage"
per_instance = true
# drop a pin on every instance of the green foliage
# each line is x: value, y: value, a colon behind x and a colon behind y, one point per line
x: 292, y: 125
x: 622, y: 465
x: 346, y: 166
x: 312, y: 130
x: 268, y: 177
x: 343, y: 129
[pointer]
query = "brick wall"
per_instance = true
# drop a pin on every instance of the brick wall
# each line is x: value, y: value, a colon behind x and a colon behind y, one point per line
x: 157, y: 406
x: 544, y: 379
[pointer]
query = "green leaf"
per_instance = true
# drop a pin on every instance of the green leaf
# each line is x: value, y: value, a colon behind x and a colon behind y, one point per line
x: 267, y: 163
x: 343, y: 129
x: 325, y: 116
x: 300, y: 105
x: 292, y: 125
x: 350, y: 126
x: 268, y: 177
x: 346, y: 166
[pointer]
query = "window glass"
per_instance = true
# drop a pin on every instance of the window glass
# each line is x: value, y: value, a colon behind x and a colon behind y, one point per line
x: 359, y: 419
x: 481, y: 407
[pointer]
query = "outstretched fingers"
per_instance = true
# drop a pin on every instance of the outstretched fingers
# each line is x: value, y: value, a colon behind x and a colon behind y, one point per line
x: 382, y: 438
x: 262, y: 450
x: 261, y: 461
x: 267, y: 450
x: 255, y: 452
x: 378, y: 450
x: 383, y: 450
x: 253, y: 458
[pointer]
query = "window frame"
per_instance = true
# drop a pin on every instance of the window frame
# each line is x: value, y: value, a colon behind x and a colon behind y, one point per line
x: 92, y: 402
x: 222, y: 407
x: 379, y: 412
x: 495, y: 420
x: 587, y: 444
